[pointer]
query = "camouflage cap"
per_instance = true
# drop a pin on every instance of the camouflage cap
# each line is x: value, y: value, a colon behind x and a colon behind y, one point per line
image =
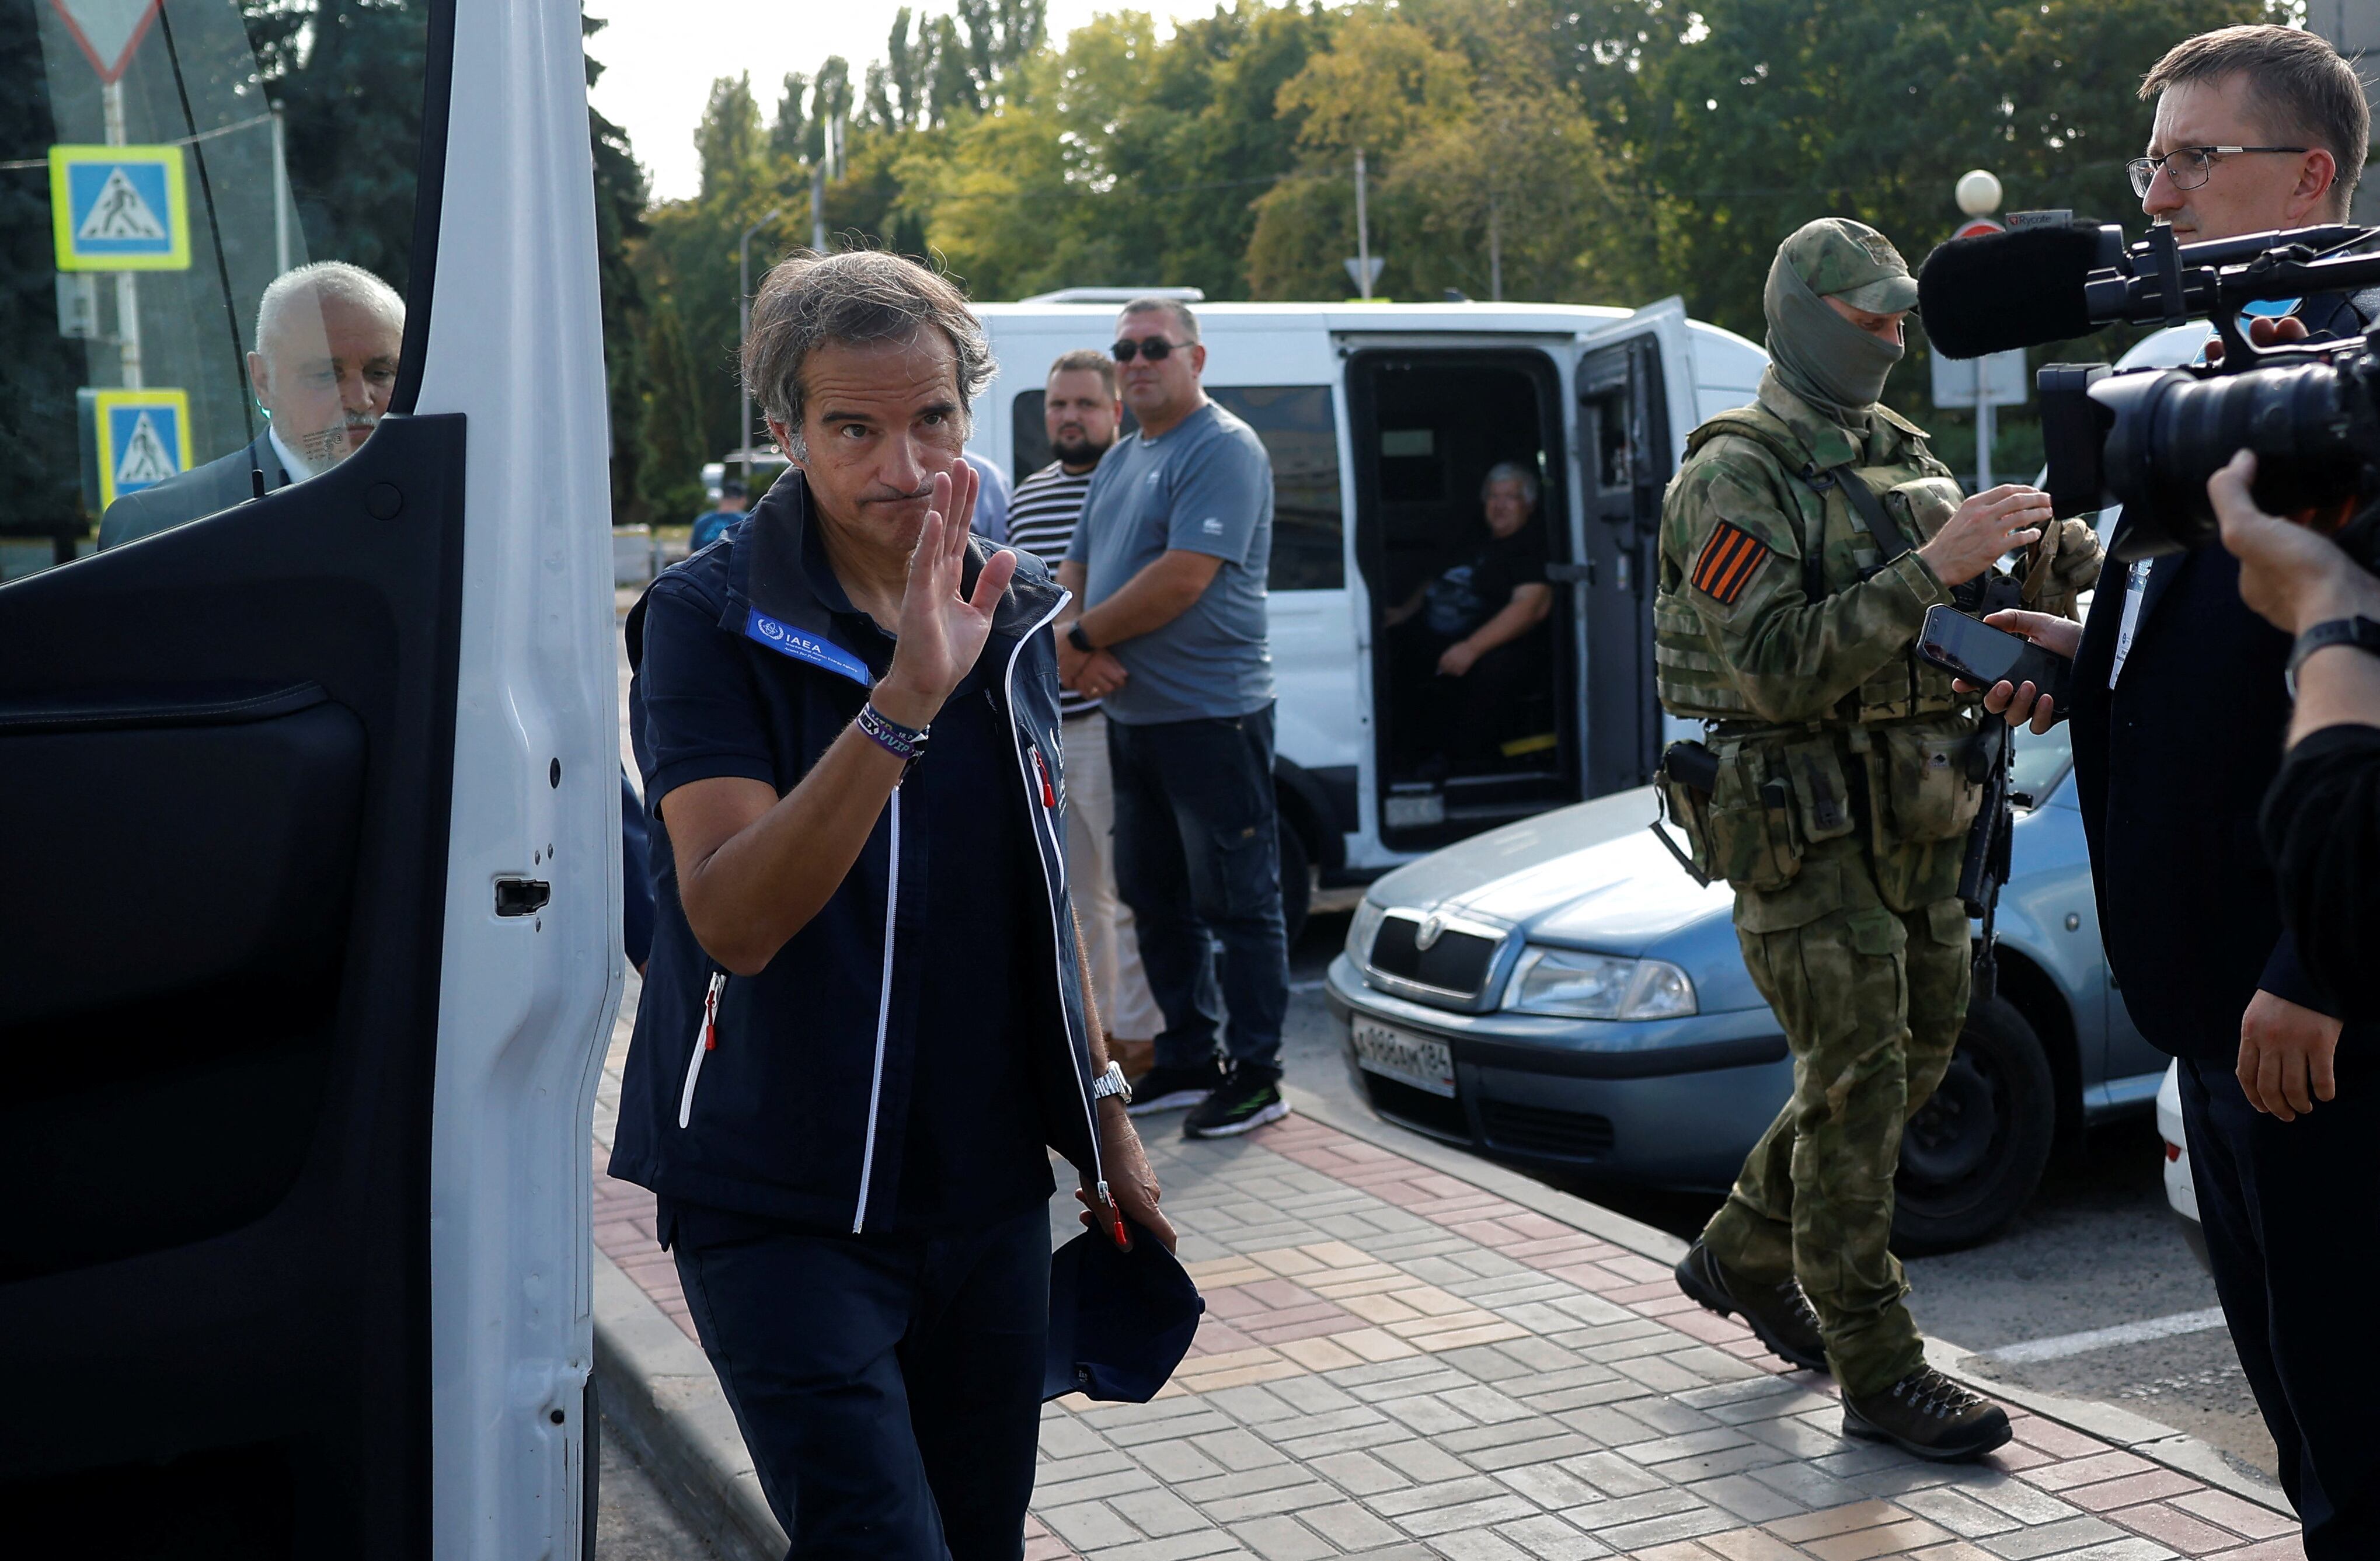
x: 1841, y: 259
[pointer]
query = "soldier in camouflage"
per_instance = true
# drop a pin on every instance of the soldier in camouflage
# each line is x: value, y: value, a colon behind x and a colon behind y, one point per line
x: 1801, y: 544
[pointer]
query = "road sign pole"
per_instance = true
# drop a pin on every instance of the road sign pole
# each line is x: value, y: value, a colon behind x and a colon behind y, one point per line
x: 280, y: 195
x: 1983, y: 425
x: 127, y: 290
x: 1363, y: 231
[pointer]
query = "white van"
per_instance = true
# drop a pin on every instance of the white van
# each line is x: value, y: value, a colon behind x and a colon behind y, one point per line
x: 1382, y: 419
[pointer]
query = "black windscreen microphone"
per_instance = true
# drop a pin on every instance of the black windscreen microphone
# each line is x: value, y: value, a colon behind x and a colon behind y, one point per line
x: 2005, y: 290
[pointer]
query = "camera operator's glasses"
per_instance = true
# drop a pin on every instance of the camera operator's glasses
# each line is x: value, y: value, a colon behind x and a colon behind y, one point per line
x: 1154, y: 349
x: 2188, y: 166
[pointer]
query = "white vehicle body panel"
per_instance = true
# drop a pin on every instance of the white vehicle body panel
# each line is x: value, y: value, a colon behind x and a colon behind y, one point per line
x: 526, y: 1002
x: 1321, y: 639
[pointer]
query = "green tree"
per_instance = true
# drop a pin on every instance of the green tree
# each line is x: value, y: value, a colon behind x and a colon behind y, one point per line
x: 347, y: 77
x: 621, y: 196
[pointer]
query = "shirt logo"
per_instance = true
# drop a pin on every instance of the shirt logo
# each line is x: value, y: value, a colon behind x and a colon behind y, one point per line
x: 1211, y: 526
x: 787, y: 640
x: 1727, y: 562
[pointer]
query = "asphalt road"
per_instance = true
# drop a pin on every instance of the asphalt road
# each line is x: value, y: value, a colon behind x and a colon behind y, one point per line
x: 634, y: 1521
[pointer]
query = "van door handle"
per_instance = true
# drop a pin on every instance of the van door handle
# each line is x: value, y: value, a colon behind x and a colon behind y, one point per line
x: 522, y: 897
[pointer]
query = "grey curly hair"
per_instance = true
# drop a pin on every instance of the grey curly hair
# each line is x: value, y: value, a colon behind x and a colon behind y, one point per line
x: 856, y: 298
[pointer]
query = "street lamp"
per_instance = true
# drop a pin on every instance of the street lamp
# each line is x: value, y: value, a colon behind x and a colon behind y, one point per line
x: 744, y: 329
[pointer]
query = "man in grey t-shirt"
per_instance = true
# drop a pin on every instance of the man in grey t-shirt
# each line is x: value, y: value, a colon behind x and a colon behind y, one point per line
x: 1169, y: 564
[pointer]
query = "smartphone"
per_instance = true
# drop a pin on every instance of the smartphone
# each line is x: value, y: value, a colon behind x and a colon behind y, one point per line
x: 1973, y: 650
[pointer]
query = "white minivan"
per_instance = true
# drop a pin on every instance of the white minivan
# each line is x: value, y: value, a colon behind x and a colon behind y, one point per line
x: 1382, y: 419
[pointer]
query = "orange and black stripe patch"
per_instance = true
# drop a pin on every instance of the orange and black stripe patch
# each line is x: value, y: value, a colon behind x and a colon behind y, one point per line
x: 1727, y: 562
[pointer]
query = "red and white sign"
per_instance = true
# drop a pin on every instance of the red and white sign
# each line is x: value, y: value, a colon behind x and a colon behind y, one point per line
x: 1977, y: 227
x: 108, y: 31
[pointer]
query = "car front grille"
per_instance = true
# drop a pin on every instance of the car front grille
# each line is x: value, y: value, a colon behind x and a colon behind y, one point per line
x: 1456, y: 961
x: 1432, y: 1113
x: 1540, y: 1130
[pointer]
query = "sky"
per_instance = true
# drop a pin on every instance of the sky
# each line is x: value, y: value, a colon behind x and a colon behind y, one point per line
x: 659, y: 58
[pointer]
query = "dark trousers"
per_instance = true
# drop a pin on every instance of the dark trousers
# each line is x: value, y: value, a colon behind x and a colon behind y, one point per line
x: 2292, y: 1212
x: 1197, y: 861
x: 889, y: 1387
x: 1459, y: 722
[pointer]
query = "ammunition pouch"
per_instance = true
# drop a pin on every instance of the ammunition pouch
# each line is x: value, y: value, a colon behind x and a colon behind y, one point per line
x: 1920, y: 771
x: 1755, y: 829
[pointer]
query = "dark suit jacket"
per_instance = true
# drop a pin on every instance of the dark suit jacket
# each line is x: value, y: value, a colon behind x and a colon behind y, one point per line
x: 201, y: 491
x: 2170, y: 768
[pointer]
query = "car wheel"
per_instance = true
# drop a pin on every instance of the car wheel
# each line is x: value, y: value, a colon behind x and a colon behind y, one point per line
x: 1971, y: 1158
x: 1297, y: 881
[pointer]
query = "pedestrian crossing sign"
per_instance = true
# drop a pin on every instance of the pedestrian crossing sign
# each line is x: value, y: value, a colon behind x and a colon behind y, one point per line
x: 141, y: 437
x: 119, y: 208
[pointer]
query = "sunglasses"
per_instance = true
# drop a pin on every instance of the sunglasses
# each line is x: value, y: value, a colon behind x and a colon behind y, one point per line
x: 1154, y: 349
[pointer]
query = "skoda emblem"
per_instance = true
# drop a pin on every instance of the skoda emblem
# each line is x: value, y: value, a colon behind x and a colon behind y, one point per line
x: 1431, y: 926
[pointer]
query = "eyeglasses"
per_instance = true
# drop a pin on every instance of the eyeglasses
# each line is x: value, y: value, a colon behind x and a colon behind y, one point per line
x: 1154, y: 349
x: 2188, y: 166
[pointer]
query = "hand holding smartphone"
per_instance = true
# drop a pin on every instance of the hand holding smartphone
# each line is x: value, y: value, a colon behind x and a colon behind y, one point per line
x: 1979, y: 653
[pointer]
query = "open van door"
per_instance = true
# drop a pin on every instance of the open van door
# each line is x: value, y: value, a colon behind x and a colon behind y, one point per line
x: 310, y: 922
x: 1634, y: 399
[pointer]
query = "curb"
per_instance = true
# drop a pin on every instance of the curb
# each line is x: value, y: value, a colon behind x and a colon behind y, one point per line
x: 2137, y: 1435
x: 657, y: 1389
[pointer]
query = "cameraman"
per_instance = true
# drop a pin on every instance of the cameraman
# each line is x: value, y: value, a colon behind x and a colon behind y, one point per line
x: 2321, y: 817
x: 2178, y: 718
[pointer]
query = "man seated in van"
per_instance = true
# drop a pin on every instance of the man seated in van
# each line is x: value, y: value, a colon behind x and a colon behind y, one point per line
x: 328, y: 336
x: 1468, y: 641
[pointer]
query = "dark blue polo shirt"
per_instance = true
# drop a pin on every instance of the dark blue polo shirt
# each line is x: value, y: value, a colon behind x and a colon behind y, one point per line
x: 975, y: 1129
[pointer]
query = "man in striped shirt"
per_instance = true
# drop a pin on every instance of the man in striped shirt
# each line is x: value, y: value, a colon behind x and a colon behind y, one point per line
x: 1082, y: 411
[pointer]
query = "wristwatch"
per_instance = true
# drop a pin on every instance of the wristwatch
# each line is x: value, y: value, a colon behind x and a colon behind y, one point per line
x: 1111, y: 1084
x: 2362, y: 633
x: 1078, y: 639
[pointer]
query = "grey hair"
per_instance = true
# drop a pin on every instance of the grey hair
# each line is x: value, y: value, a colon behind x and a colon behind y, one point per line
x: 324, y: 279
x: 857, y: 298
x: 1174, y: 306
x: 1511, y: 471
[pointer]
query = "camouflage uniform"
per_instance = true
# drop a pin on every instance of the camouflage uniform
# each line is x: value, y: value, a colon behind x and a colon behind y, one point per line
x: 1842, y: 806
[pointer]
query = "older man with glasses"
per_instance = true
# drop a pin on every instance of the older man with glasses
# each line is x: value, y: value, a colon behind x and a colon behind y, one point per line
x: 1170, y: 563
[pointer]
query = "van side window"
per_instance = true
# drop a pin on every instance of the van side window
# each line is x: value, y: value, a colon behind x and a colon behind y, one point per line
x: 1300, y: 431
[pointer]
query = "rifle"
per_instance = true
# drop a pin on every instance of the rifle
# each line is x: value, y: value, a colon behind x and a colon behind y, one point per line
x: 1985, y: 868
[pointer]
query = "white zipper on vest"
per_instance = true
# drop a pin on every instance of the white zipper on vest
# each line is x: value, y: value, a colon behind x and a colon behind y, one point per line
x: 1045, y: 830
x: 883, y: 1017
x: 706, y: 1039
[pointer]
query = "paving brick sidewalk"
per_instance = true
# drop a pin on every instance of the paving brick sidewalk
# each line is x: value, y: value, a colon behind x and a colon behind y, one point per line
x: 1397, y: 1362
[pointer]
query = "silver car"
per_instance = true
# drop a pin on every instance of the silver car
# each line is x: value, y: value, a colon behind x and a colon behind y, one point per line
x: 1559, y: 992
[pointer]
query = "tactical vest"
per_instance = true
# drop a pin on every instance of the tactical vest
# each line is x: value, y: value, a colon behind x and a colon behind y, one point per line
x: 1838, y: 552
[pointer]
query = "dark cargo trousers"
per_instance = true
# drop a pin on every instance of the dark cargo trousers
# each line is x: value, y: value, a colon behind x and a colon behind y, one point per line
x: 1872, y: 1001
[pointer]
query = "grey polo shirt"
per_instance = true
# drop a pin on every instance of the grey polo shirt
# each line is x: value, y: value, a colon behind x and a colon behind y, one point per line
x: 1204, y: 487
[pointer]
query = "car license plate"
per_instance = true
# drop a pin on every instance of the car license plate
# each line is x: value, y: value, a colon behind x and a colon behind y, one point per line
x: 1403, y: 1056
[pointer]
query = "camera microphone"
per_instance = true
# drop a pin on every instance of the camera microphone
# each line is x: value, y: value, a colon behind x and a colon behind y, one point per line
x: 2008, y: 290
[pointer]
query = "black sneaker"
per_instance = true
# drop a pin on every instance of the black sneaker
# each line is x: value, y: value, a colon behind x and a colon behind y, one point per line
x: 1173, y: 1089
x: 1779, y: 1315
x: 1248, y: 1097
x: 1927, y: 1414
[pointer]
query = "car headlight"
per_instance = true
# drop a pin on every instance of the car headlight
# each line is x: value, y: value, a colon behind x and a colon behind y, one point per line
x: 1361, y: 928
x: 1572, y: 985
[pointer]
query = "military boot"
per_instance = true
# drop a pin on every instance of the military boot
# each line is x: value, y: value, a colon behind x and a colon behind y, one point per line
x: 1927, y: 1414
x: 1779, y: 1315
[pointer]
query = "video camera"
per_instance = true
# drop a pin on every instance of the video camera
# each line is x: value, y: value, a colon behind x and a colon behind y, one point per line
x: 2148, y: 438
